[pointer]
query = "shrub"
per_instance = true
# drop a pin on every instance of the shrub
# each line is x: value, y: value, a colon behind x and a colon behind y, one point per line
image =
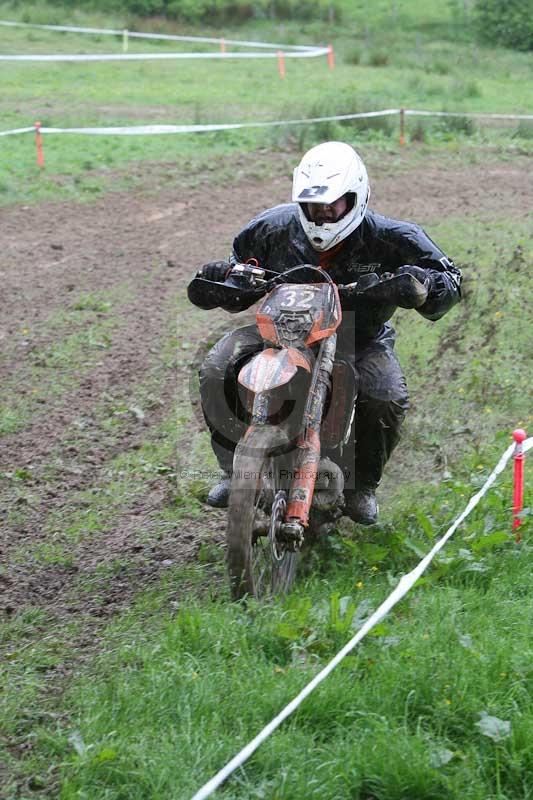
x: 505, y: 22
x: 418, y: 132
x: 37, y: 15
x: 216, y: 11
x: 440, y: 67
x: 383, y: 125
x: 378, y: 58
x: 456, y: 125
x: 524, y: 129
x: 354, y: 56
x: 466, y: 89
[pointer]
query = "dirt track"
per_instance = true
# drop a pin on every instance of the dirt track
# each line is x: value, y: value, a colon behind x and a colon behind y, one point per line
x: 144, y: 247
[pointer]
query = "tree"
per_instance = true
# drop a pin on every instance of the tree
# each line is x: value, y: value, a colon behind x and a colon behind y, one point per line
x: 508, y: 23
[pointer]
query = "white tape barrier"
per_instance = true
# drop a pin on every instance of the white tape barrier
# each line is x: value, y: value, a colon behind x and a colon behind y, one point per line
x: 406, y: 582
x: 163, y: 36
x: 17, y: 130
x: 141, y: 130
x: 411, y: 112
x: 289, y: 50
x: 136, y: 130
x: 74, y: 57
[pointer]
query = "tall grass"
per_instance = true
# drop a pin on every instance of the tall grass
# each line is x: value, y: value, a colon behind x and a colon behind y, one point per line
x: 165, y: 708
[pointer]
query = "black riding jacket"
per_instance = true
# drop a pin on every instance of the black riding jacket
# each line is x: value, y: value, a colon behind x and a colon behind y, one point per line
x: 380, y: 244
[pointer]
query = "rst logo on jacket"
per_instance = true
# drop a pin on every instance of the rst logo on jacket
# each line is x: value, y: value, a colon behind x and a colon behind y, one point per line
x: 362, y: 269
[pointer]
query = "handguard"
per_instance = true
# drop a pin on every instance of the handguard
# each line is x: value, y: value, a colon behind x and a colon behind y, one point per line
x: 233, y: 294
x: 403, y: 290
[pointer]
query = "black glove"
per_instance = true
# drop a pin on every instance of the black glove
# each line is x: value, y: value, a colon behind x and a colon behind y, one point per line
x: 214, y: 271
x: 417, y: 272
x: 413, y: 285
x: 407, y: 287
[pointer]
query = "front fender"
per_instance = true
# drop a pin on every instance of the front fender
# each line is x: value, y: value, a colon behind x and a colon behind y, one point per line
x: 271, y: 368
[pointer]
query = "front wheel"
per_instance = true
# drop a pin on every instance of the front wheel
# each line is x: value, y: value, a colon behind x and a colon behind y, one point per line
x: 259, y: 566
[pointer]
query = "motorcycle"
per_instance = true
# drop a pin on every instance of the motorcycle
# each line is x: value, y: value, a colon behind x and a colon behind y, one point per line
x: 300, y: 397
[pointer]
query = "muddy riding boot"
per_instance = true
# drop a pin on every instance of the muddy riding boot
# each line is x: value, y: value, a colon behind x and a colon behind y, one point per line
x: 361, y: 505
x: 218, y: 496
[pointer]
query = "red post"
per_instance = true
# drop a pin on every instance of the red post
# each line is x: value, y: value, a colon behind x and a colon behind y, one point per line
x: 281, y: 63
x: 39, y: 145
x: 519, y: 436
x: 222, y: 46
x: 331, y: 57
x: 402, y: 126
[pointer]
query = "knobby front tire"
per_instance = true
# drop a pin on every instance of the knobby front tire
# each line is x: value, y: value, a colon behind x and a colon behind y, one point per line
x: 259, y: 472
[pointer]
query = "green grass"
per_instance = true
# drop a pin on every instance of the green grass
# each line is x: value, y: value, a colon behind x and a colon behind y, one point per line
x: 177, y: 691
x: 384, y: 59
x: 479, y: 354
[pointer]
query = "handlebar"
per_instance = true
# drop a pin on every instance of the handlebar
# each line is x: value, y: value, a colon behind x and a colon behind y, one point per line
x: 389, y: 288
x: 257, y: 276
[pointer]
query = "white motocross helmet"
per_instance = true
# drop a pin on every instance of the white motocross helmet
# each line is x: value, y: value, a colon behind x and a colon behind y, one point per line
x: 325, y: 173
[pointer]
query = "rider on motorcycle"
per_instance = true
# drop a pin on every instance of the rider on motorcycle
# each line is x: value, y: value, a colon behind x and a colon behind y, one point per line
x: 329, y: 224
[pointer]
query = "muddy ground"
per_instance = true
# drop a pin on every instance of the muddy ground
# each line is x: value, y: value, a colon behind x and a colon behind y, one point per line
x: 149, y: 242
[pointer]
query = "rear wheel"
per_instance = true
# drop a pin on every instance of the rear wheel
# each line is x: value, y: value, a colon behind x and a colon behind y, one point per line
x: 259, y: 564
